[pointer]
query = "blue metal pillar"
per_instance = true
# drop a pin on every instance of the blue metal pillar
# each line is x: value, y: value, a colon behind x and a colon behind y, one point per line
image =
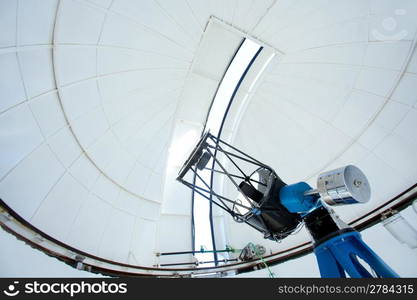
x: 338, y: 257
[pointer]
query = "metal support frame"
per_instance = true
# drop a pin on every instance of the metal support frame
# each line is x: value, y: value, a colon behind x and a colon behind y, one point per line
x: 340, y: 250
x: 255, y: 213
x: 213, y: 145
x: 339, y: 256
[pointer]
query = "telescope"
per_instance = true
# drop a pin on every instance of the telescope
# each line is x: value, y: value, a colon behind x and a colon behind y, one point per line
x: 253, y: 194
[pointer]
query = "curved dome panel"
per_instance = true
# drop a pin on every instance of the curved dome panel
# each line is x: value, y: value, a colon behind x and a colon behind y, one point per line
x: 96, y: 96
x: 336, y: 97
x: 114, y: 100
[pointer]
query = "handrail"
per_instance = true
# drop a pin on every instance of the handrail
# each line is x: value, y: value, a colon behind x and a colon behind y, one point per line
x: 404, y: 200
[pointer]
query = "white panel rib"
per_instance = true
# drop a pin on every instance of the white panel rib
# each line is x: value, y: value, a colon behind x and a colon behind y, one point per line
x: 102, y: 3
x: 248, y: 14
x: 85, y: 131
x: 65, y: 146
x: 112, y: 60
x: 153, y: 188
x: 123, y: 32
x: 181, y: 13
x: 28, y: 184
x: 36, y: 21
x: 412, y: 66
x: 356, y: 112
x: 78, y: 23
x: 75, y: 63
x: 150, y: 14
x: 407, y: 90
x: 48, y: 113
x: 106, y: 190
x: 12, y: 90
x: 8, y: 15
x: 56, y: 214
x: 400, y: 154
x: 116, y: 239
x: 89, y: 224
x: 377, y: 54
x: 392, y: 115
x: 20, y: 135
x: 84, y: 171
x: 80, y: 99
x: 407, y: 127
x: 37, y: 71
x: 377, y: 81
x: 143, y: 243
x: 103, y: 150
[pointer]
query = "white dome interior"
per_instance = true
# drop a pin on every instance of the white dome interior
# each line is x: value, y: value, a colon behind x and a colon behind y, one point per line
x: 96, y: 96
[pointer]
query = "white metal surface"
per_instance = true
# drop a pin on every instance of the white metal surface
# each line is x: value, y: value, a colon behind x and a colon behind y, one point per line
x: 95, y: 93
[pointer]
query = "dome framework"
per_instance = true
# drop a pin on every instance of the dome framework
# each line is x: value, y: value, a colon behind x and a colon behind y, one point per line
x: 96, y: 96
